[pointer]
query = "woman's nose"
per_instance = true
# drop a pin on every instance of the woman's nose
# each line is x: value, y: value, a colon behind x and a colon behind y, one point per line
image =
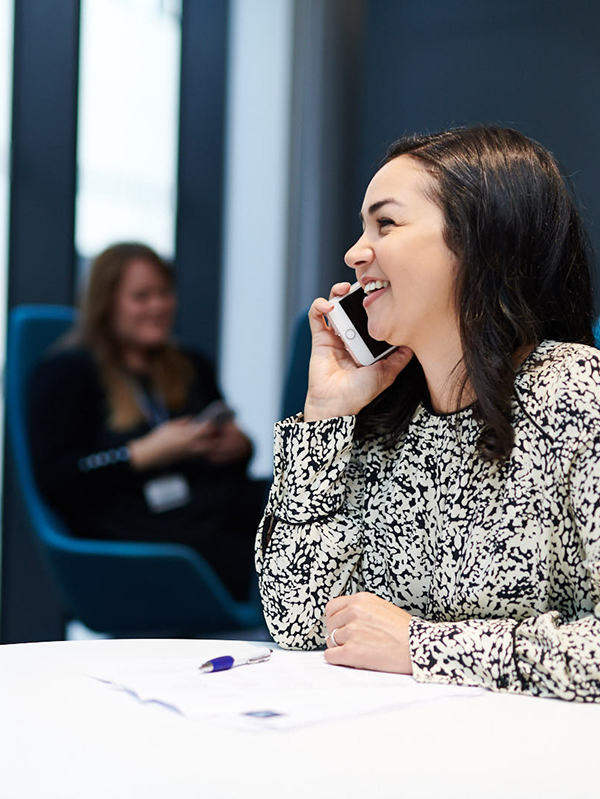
x: 360, y: 254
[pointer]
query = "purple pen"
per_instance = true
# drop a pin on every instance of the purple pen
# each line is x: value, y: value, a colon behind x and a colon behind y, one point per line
x: 228, y: 662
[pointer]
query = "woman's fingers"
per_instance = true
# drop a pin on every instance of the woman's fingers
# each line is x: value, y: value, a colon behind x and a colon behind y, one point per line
x: 203, y: 429
x: 337, y: 605
x: 367, y: 632
x: 321, y: 306
x: 389, y: 368
x: 316, y: 314
x: 396, y: 361
x: 339, y: 289
x: 335, y: 637
x: 339, y: 613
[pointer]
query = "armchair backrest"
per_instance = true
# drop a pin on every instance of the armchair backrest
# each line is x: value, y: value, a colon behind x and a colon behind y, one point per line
x: 118, y: 587
x: 32, y: 330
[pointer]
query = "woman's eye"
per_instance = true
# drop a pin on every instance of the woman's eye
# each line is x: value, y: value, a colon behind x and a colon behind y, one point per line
x: 385, y: 222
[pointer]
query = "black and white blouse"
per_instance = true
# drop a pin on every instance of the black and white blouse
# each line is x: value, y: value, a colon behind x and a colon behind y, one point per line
x: 499, y: 564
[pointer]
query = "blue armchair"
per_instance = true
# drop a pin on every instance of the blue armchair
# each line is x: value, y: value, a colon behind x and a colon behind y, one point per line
x: 120, y: 588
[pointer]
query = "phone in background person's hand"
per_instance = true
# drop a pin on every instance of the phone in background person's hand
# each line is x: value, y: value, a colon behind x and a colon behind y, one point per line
x: 216, y: 412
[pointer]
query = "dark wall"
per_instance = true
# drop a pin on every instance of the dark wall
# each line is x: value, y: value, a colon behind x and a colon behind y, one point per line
x: 41, y: 263
x: 204, y: 29
x: 531, y: 64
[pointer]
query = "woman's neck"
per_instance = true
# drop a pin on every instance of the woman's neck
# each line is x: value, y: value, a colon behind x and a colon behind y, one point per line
x: 445, y: 377
x: 442, y: 361
x: 445, y: 373
x: 136, y: 359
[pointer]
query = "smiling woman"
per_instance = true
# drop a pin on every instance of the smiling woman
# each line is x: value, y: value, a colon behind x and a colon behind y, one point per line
x: 437, y: 512
x: 119, y: 449
x: 403, y: 244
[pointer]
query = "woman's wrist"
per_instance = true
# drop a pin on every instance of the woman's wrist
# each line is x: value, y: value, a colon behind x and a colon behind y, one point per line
x: 141, y: 455
x: 315, y: 411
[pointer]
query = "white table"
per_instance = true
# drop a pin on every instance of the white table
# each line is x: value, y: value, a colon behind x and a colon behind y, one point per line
x: 64, y: 736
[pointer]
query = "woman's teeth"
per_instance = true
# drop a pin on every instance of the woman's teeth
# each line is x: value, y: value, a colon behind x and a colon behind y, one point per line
x: 374, y: 285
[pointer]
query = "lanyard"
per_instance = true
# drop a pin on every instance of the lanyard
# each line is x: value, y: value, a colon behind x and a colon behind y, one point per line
x: 152, y: 404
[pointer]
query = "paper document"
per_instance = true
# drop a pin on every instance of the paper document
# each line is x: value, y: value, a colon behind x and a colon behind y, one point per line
x: 290, y: 690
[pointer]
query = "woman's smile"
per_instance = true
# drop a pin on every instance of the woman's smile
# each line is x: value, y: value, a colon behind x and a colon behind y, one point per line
x: 373, y: 289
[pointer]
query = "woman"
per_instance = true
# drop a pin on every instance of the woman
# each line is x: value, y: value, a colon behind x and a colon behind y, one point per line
x: 117, y: 448
x: 438, y: 513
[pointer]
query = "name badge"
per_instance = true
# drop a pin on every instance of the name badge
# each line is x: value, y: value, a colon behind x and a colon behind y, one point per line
x: 166, y: 493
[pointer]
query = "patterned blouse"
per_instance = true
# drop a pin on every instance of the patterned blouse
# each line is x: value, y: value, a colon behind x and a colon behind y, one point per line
x: 499, y: 564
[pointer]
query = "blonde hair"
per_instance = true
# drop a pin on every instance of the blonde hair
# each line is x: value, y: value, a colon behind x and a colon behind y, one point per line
x: 171, y: 371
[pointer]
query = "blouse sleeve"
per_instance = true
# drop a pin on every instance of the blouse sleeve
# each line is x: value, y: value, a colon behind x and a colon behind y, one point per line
x: 63, y: 422
x: 309, y: 541
x: 543, y: 655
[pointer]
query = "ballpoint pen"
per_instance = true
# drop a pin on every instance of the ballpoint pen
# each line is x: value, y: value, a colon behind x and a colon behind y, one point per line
x: 228, y: 662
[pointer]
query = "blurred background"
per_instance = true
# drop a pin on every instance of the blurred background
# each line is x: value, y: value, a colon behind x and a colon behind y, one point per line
x: 236, y: 137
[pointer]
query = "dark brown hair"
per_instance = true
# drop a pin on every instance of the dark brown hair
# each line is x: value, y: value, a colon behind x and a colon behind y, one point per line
x: 523, y: 272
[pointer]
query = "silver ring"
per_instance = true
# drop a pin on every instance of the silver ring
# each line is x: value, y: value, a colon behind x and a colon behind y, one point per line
x: 332, y: 637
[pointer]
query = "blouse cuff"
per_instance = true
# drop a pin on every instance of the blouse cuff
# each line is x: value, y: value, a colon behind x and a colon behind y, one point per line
x: 476, y: 652
x: 99, y: 460
x: 310, y: 460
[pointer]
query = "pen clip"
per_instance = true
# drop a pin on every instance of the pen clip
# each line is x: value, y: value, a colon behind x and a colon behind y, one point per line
x: 260, y: 658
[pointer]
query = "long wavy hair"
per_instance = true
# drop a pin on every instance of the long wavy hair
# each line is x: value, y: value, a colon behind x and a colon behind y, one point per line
x: 523, y: 273
x: 170, y: 370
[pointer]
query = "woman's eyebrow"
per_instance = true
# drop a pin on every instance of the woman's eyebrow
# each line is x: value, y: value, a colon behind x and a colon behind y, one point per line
x: 379, y: 204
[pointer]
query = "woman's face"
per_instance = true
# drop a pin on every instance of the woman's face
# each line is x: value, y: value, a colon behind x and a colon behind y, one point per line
x: 403, y: 248
x: 144, y: 306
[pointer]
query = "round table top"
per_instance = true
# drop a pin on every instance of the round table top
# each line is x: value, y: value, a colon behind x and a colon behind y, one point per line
x: 64, y: 735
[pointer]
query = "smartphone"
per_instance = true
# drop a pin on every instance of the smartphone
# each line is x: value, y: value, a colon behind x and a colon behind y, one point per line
x: 216, y: 412
x: 349, y: 320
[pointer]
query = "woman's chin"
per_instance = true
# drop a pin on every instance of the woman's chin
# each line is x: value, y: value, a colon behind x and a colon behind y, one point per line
x: 377, y: 332
x: 153, y: 342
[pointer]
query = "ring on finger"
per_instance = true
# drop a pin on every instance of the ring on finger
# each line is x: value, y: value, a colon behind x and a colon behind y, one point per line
x: 332, y: 636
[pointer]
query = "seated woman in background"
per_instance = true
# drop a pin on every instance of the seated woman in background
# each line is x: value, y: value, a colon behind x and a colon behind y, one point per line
x: 438, y: 512
x: 118, y: 448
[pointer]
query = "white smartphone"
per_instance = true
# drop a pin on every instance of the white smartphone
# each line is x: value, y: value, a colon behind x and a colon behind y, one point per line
x: 216, y: 412
x: 349, y: 320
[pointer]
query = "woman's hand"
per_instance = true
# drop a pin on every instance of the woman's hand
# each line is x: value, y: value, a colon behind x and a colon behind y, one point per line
x: 177, y: 439
x: 336, y: 385
x: 229, y: 445
x: 181, y: 439
x: 369, y: 632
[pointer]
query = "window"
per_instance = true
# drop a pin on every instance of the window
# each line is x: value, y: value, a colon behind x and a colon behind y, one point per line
x: 128, y: 124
